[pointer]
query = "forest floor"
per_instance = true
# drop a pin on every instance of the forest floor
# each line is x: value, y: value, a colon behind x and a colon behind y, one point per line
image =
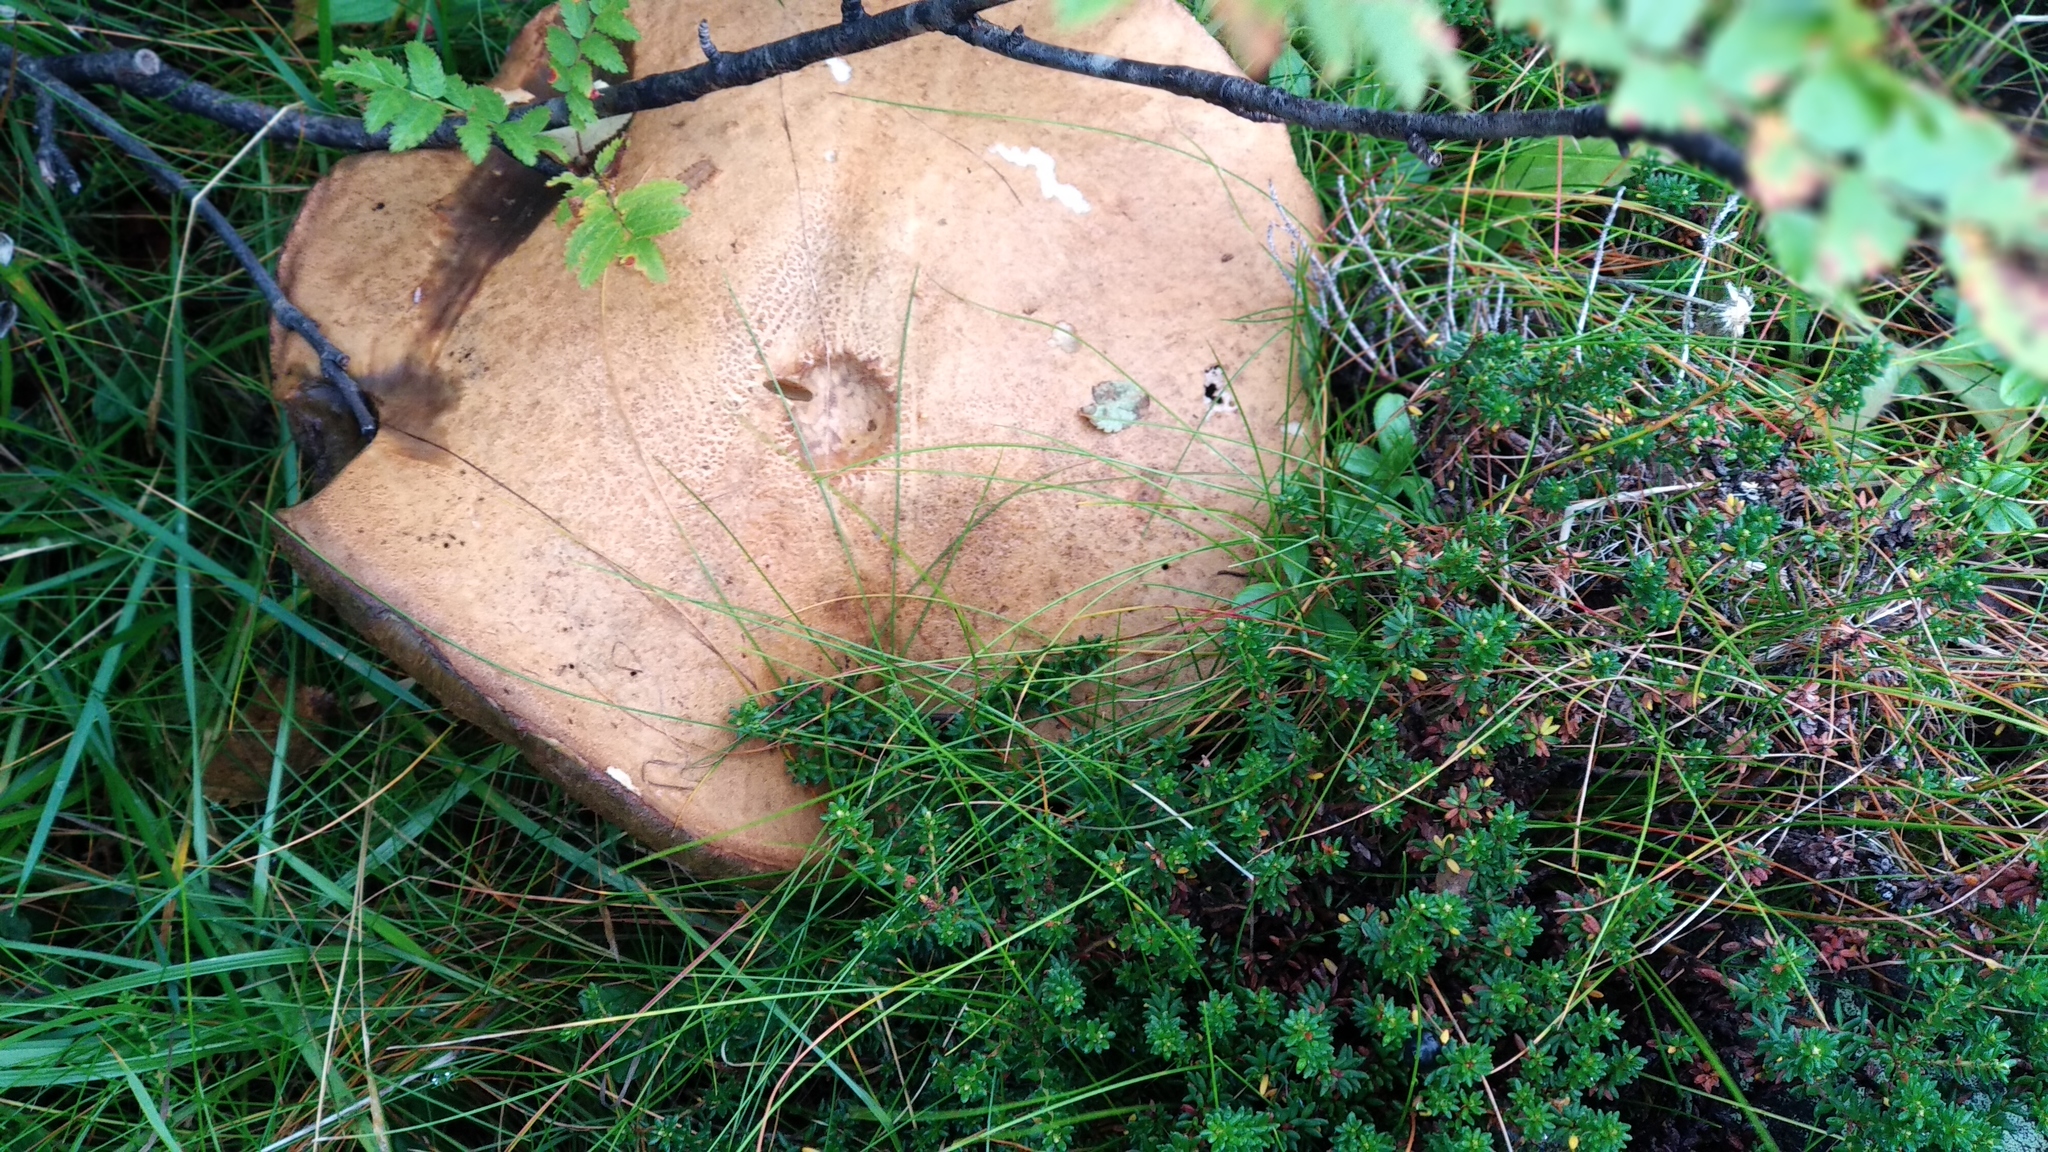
x: 1634, y: 735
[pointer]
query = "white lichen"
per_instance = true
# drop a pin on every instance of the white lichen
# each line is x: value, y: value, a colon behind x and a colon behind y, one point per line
x: 1049, y: 186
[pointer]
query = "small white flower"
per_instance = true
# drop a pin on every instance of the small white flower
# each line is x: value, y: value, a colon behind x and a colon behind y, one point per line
x: 1734, y: 315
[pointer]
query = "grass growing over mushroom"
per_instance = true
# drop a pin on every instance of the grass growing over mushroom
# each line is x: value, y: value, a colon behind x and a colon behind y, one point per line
x: 1619, y: 738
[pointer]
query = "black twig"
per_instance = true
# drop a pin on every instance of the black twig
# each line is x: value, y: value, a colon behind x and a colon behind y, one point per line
x: 1252, y: 99
x: 333, y: 363
x: 1421, y: 147
x: 51, y: 163
x: 154, y: 80
x: 852, y: 11
x: 780, y: 57
x: 144, y: 75
x: 704, y: 40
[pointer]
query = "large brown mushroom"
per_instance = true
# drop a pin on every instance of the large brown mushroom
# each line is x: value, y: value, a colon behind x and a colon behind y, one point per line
x: 934, y: 375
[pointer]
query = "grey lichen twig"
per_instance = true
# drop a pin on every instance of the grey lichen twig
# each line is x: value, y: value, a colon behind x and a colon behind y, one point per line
x: 51, y: 163
x: 1599, y: 257
x: 333, y: 363
x: 1710, y: 241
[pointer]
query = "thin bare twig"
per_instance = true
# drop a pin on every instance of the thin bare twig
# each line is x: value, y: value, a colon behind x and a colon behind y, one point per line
x: 333, y: 364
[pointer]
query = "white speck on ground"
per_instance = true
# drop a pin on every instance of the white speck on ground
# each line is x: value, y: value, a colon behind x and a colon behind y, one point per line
x: 1048, y: 185
x: 1063, y: 337
x: 840, y: 69
x: 624, y: 780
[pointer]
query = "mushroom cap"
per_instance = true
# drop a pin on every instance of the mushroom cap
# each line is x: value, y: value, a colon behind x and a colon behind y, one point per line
x: 852, y: 423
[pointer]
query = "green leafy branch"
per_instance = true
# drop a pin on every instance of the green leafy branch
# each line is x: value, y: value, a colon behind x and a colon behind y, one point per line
x: 618, y: 227
x: 414, y: 98
x: 586, y: 42
x: 1849, y: 157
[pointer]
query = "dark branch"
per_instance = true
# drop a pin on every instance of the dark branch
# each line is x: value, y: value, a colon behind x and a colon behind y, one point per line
x: 51, y: 163
x: 739, y: 69
x: 144, y: 74
x: 333, y: 364
x: 1254, y: 100
x: 704, y: 43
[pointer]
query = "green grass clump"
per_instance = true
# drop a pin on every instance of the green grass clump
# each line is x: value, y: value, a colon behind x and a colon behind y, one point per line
x: 1622, y: 740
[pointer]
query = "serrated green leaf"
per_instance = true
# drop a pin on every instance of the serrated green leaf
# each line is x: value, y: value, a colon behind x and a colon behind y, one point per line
x: 1670, y: 95
x: 600, y: 51
x: 428, y: 79
x: 1783, y: 171
x: 1861, y: 234
x: 1411, y: 46
x: 1661, y: 25
x: 1934, y: 149
x: 364, y: 70
x: 614, y: 23
x: 640, y: 253
x: 563, y: 50
x: 522, y: 136
x: 575, y: 85
x: 1836, y: 109
x: 2011, y: 206
x: 654, y: 208
x: 475, y: 138
x: 576, y: 17
x: 485, y: 104
x: 415, y: 124
x: 387, y: 105
x: 1583, y: 31
x: 1407, y: 42
x: 596, y: 241
x: 2006, y: 292
x: 1794, y: 237
x: 1754, y: 54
